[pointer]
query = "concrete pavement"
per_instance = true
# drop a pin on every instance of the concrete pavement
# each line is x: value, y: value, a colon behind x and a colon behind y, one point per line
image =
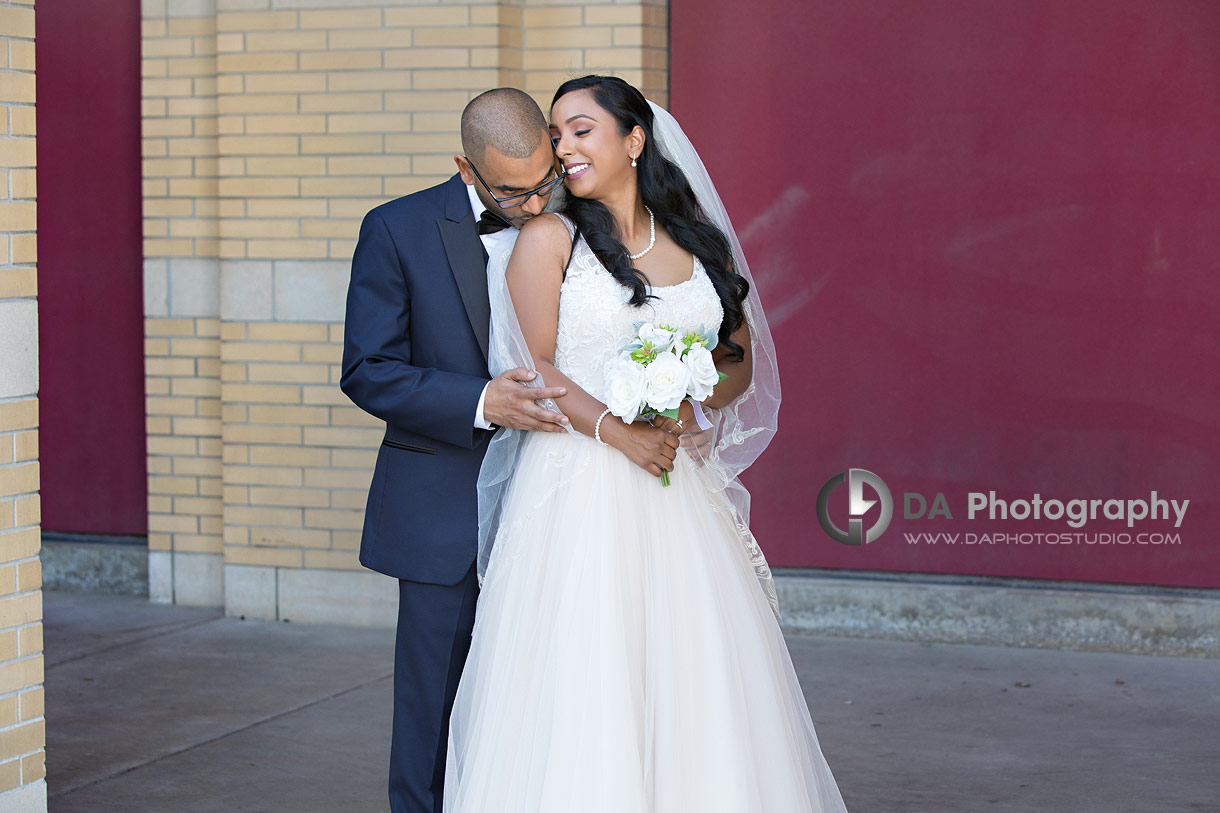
x: 157, y: 708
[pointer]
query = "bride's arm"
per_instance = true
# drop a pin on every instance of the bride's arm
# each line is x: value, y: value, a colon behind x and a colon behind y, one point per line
x: 738, y: 373
x: 534, y: 276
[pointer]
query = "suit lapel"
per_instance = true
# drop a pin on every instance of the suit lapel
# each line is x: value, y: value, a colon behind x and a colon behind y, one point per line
x: 466, y: 259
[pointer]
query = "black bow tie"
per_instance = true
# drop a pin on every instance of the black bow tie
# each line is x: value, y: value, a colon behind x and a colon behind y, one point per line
x: 490, y: 222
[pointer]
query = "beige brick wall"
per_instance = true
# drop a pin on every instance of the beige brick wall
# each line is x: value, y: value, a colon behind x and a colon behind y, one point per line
x: 22, y: 725
x: 181, y: 288
x: 182, y: 402
x: 270, y: 128
x: 562, y: 40
x: 298, y: 454
x: 181, y: 206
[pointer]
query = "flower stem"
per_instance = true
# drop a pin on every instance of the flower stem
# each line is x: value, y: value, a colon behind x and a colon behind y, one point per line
x: 664, y: 478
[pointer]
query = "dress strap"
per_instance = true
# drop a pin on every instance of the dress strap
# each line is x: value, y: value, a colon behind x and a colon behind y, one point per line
x: 575, y: 234
x: 571, y: 226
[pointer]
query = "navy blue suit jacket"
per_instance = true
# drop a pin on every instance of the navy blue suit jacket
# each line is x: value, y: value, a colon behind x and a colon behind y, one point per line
x: 415, y: 355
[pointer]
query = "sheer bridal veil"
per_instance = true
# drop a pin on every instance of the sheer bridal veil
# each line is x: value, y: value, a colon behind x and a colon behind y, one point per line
x: 742, y: 429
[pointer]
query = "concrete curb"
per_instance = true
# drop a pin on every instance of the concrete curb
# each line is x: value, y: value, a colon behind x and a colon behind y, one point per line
x: 916, y: 607
x: 992, y: 612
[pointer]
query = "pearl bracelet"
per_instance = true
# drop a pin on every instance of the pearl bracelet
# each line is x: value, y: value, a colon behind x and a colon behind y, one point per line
x: 597, y: 428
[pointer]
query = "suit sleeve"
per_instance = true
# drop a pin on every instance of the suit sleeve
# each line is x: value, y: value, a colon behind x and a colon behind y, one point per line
x: 377, y: 372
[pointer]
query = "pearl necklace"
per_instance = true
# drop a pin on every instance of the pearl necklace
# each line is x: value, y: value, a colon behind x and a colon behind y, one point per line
x: 652, y: 237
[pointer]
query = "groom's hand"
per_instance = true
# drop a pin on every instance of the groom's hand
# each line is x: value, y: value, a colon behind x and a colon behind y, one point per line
x: 509, y: 402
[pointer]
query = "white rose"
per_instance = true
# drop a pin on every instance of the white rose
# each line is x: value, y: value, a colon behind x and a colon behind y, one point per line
x: 627, y: 387
x: 702, y: 371
x: 667, y: 382
x: 658, y: 337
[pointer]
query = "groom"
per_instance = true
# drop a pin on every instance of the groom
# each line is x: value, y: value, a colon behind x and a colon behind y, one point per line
x: 415, y: 355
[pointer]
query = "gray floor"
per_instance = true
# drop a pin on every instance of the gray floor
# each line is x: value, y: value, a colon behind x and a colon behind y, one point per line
x: 153, y: 708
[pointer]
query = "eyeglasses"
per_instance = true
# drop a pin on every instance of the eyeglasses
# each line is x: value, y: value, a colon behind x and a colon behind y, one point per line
x: 512, y: 201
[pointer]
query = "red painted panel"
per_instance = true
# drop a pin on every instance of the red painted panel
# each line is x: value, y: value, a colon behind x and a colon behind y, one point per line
x: 989, y: 238
x: 90, y: 300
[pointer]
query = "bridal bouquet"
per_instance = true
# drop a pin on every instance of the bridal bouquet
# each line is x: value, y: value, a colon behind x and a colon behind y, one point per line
x: 660, y: 369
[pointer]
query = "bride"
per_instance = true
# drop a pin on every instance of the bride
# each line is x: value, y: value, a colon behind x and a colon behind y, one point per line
x: 626, y: 653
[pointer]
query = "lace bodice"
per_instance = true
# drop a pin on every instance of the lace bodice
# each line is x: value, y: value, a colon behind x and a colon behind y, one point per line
x: 596, y: 319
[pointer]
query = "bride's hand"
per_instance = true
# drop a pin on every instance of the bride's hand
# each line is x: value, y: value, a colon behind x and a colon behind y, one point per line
x: 649, y: 447
x: 697, y: 442
x: 684, y: 424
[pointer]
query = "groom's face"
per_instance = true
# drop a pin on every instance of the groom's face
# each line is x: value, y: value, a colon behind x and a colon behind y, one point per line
x: 509, y: 176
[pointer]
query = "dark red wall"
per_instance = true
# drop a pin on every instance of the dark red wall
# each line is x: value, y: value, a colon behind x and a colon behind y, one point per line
x: 988, y: 236
x: 90, y: 303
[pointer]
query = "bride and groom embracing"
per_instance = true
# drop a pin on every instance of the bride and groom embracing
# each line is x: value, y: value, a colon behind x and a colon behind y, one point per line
x: 625, y: 654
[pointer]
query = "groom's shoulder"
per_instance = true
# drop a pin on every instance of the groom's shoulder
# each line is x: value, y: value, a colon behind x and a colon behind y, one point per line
x: 430, y: 202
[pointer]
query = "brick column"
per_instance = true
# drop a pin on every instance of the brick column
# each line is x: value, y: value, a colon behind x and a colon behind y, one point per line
x: 182, y: 301
x: 271, y: 127
x: 22, y: 725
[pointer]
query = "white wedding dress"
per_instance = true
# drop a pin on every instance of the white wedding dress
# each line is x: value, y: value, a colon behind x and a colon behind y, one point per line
x: 625, y: 658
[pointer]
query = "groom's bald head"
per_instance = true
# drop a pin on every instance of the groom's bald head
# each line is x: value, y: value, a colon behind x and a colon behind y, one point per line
x: 507, y: 120
x: 509, y: 154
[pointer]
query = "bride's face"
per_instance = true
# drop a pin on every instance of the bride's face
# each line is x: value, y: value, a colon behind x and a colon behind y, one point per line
x: 595, y: 154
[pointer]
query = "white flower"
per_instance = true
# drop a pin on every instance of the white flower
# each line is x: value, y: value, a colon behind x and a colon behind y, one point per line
x: 667, y: 382
x: 627, y: 386
x: 658, y: 337
x: 702, y: 371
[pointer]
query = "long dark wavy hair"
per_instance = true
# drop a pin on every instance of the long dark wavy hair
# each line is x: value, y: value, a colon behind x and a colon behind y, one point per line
x: 667, y: 193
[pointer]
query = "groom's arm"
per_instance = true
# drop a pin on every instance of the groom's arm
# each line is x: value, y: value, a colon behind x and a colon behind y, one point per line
x: 377, y: 373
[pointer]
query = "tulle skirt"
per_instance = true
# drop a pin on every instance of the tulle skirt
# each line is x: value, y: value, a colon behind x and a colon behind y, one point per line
x: 625, y: 658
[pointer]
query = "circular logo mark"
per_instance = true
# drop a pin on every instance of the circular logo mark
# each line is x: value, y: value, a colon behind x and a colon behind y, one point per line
x: 858, y: 507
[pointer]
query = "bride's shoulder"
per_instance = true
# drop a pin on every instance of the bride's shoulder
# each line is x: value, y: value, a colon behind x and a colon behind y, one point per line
x: 542, y: 247
x: 549, y: 224
x: 548, y: 232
